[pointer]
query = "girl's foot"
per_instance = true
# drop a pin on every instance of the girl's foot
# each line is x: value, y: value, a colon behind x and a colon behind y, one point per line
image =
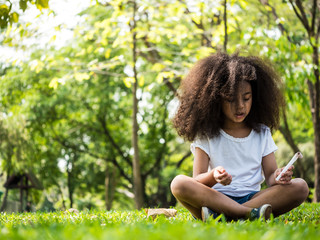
x: 206, y: 213
x: 262, y: 212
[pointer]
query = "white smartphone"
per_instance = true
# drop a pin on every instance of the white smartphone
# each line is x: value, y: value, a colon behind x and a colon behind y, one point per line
x: 293, y: 159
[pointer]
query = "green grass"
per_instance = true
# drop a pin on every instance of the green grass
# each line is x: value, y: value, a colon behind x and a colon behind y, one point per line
x: 301, y: 224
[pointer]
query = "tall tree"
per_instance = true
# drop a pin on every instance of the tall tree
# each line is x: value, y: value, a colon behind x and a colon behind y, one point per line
x: 138, y: 192
x: 308, y: 13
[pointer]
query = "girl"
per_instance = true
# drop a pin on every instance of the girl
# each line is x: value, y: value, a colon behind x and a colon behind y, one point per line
x: 228, y: 107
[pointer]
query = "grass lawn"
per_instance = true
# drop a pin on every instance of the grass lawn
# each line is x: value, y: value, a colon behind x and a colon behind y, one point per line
x: 301, y: 224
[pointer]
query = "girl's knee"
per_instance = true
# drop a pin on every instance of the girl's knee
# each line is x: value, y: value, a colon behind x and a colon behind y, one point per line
x: 179, y: 184
x: 301, y: 188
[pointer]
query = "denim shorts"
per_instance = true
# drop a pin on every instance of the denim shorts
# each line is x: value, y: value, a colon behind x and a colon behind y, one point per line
x: 239, y: 200
x: 243, y: 199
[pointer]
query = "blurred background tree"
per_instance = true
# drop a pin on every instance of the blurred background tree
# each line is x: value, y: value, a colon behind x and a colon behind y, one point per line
x: 10, y: 10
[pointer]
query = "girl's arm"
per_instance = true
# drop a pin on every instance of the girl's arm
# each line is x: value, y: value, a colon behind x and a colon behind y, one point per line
x: 271, y: 171
x: 201, y: 174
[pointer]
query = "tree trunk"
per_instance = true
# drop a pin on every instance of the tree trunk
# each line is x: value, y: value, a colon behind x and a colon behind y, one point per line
x: 4, y: 201
x: 62, y: 196
x: 106, y: 185
x: 8, y: 172
x: 313, y: 32
x: 21, y: 195
x: 138, y: 193
x: 110, y: 183
x: 316, y: 197
x: 315, y: 108
x: 225, y: 26
x: 69, y: 183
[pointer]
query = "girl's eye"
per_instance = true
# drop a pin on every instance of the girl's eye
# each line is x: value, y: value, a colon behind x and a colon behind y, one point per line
x: 246, y: 99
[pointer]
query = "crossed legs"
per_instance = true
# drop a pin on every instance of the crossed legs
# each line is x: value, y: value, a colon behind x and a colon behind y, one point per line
x: 194, y: 195
x: 282, y: 198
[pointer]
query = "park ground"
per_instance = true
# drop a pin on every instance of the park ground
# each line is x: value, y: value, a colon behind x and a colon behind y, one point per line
x: 301, y: 223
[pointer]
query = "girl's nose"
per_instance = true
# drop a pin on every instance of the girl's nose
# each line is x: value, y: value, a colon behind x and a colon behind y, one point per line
x: 240, y: 104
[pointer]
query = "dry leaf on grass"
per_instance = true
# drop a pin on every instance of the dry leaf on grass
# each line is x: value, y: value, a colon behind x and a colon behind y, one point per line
x: 154, y: 212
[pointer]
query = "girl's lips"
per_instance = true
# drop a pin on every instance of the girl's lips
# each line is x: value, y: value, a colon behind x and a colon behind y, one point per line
x: 239, y: 115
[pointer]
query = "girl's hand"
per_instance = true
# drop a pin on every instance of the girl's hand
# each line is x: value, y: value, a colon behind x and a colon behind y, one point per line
x: 285, y: 177
x: 221, y: 176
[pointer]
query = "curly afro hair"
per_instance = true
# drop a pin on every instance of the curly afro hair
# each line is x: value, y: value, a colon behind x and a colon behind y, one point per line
x: 217, y: 77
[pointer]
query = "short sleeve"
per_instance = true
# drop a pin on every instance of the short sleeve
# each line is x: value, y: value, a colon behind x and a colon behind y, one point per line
x: 270, y: 145
x: 201, y: 143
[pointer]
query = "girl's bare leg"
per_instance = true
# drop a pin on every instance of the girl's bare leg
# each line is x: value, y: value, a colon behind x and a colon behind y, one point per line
x: 282, y: 198
x: 194, y: 195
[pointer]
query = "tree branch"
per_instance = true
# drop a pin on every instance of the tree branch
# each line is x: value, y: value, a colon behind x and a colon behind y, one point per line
x: 303, y: 19
x: 314, y: 13
x: 304, y: 16
x: 283, y: 30
x: 183, y: 158
x: 311, y: 94
x: 154, y: 56
x: 201, y: 27
x: 113, y: 142
x: 66, y: 144
x: 170, y: 86
x: 318, y: 30
x: 10, y: 5
x: 114, y: 161
x: 225, y: 26
x: 152, y: 50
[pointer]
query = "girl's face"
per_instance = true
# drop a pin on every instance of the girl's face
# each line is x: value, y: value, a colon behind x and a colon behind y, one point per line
x: 237, y: 108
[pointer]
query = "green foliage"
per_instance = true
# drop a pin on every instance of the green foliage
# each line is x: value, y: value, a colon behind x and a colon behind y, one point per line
x: 284, y: 154
x: 78, y: 107
x: 300, y: 223
x: 68, y: 110
x: 9, y: 10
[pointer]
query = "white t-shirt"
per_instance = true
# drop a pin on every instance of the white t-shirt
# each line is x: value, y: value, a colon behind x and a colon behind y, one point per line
x: 241, y: 158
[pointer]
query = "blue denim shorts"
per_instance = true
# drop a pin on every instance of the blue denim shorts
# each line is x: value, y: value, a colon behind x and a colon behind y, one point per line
x: 243, y: 199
